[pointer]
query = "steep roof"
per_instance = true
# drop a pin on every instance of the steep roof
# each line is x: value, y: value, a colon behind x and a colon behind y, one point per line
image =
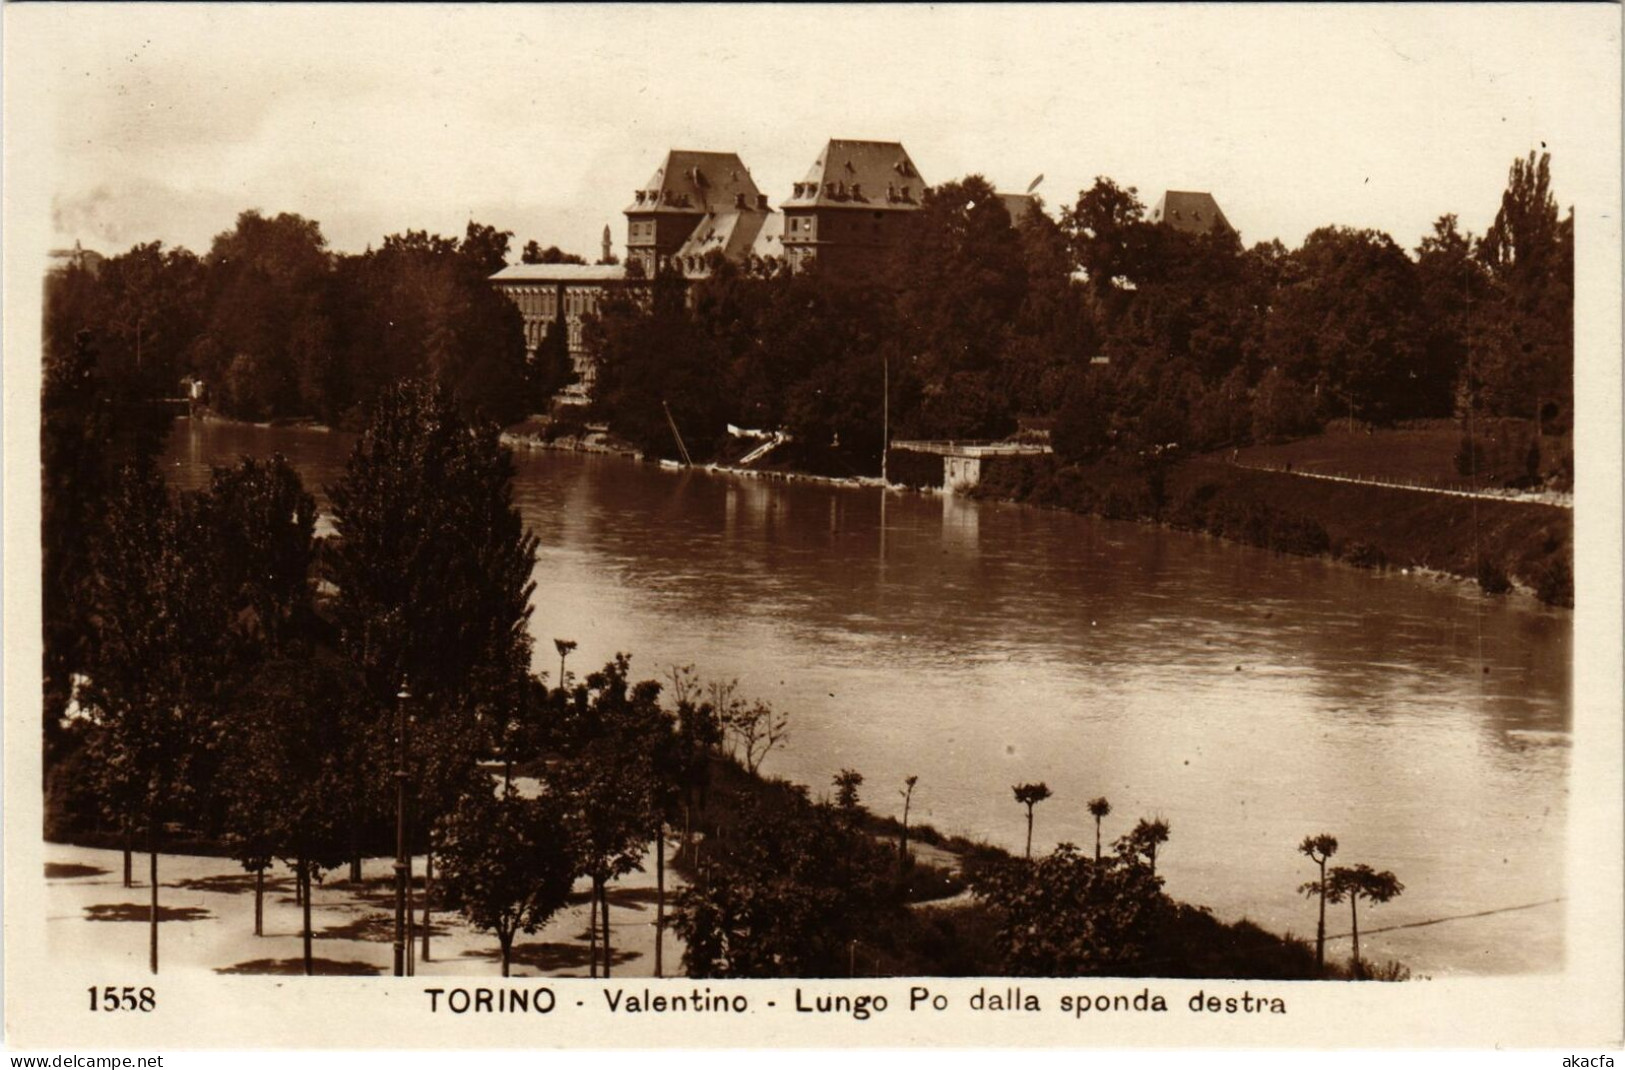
x: 769, y: 239
x: 732, y: 233
x: 1191, y: 212
x: 687, y: 182
x: 561, y: 273
x: 860, y: 174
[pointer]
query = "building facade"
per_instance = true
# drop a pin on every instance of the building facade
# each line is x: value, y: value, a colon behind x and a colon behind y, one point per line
x: 854, y: 207
x: 559, y: 297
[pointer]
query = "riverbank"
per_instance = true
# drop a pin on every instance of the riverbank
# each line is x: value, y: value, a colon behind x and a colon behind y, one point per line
x: 1504, y: 542
x: 1502, y: 545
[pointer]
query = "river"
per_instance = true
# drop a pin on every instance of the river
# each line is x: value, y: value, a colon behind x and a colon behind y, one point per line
x: 1247, y: 698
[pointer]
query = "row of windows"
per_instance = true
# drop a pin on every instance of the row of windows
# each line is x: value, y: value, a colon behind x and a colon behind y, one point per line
x: 802, y: 227
x: 543, y: 304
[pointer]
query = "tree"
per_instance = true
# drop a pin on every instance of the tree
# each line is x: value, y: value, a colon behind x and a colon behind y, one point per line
x: 507, y: 863
x: 1099, y: 808
x: 1143, y: 841
x: 1030, y: 795
x: 1067, y: 915
x: 846, y: 783
x: 1281, y: 408
x: 563, y: 646
x: 260, y: 526
x: 159, y: 656
x: 1318, y: 849
x: 908, y: 797
x: 959, y: 282
x: 288, y: 770
x: 535, y: 254
x: 699, y: 733
x: 1083, y: 424
x: 150, y: 309
x: 485, y: 248
x: 653, y: 356
x: 1109, y: 237
x: 610, y: 779
x: 1360, y: 882
x: 753, y: 729
x: 266, y: 278
x: 787, y: 894
x: 1527, y: 364
x: 1455, y: 290
x: 1348, y: 326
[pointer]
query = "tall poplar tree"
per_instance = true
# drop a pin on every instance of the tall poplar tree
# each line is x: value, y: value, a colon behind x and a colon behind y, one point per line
x: 433, y: 569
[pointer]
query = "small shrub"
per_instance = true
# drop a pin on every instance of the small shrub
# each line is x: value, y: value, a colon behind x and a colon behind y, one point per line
x: 1387, y: 971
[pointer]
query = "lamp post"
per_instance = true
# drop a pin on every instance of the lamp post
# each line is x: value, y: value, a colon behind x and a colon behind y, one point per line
x: 401, y: 699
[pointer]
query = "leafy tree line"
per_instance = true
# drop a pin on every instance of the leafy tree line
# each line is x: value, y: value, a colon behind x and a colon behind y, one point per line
x: 976, y: 322
x: 220, y: 697
x: 278, y: 326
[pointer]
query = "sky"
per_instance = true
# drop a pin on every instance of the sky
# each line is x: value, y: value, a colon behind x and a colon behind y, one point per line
x: 163, y: 122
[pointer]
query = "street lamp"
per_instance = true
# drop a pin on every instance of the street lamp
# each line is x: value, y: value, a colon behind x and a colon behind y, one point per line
x: 401, y: 699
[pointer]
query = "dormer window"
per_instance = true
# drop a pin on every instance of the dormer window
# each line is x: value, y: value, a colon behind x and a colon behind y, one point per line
x: 857, y: 191
x: 829, y: 189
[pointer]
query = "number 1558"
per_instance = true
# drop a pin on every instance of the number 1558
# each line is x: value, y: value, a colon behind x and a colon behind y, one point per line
x: 128, y: 998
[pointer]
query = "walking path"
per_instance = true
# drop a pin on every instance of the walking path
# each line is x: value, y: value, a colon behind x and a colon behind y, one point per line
x: 206, y: 922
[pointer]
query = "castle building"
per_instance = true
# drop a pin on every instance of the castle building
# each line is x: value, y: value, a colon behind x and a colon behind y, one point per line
x: 853, y: 207
x: 1191, y: 212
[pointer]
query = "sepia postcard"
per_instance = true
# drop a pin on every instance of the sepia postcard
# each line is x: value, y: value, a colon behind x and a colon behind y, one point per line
x: 863, y: 526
